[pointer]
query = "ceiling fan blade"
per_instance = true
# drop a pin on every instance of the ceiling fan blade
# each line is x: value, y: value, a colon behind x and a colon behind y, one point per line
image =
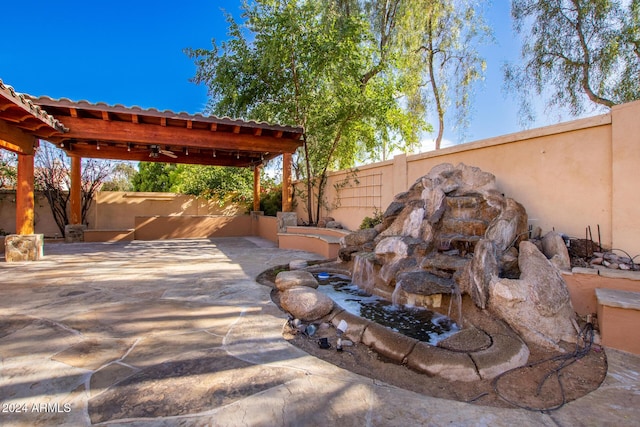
x: 168, y: 154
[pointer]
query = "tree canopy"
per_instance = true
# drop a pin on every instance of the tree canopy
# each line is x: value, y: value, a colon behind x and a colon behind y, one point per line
x: 579, y: 53
x: 340, y: 69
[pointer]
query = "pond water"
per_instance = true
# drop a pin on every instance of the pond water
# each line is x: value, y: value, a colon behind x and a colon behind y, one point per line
x: 415, y: 322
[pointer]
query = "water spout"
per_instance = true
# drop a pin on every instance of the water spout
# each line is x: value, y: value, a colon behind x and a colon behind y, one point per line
x: 395, y: 297
x: 456, y: 298
x: 363, y: 273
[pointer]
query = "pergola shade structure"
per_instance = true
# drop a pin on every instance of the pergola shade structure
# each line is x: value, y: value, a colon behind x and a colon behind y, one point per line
x: 22, y: 124
x: 133, y: 133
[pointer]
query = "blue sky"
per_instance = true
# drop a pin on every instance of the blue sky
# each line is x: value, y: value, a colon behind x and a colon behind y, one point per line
x: 131, y: 53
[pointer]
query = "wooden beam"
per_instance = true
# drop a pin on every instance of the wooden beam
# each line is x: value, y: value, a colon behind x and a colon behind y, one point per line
x: 14, y: 139
x: 24, y: 195
x: 213, y: 127
x: 142, y: 155
x: 134, y: 118
x: 256, y: 188
x: 163, y: 121
x: 75, y: 195
x: 73, y: 112
x: 105, y: 116
x: 116, y: 131
x: 286, y: 182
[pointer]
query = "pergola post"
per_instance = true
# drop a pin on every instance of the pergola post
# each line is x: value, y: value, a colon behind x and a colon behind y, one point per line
x: 24, y: 195
x: 256, y: 188
x: 286, y: 182
x: 75, y: 197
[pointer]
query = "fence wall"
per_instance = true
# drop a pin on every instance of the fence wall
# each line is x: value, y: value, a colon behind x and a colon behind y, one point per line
x: 568, y: 176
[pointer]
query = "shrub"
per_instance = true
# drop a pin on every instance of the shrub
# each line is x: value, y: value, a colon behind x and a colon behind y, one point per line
x: 369, y: 222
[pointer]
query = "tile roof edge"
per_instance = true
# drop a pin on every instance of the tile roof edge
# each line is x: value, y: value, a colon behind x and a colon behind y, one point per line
x: 66, y: 102
x: 26, y: 102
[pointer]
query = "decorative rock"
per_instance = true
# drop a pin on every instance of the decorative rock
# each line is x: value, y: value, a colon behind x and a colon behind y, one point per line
x: 298, y: 264
x: 23, y: 247
x: 345, y: 253
x: 286, y: 219
x: 537, y: 305
x: 74, y: 233
x: 510, y: 227
x: 294, y: 279
x: 305, y: 303
x: 359, y: 237
x: 555, y: 249
x: 597, y: 261
x: 480, y: 272
x: 423, y: 283
x: 509, y: 264
x: 324, y: 220
x: 334, y: 224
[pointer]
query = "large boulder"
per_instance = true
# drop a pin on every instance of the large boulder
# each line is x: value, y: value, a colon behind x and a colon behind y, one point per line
x: 306, y: 304
x: 538, y: 304
x: 358, y: 237
x: 293, y: 279
x: 555, y: 249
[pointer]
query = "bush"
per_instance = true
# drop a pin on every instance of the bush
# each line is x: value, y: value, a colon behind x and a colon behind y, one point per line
x: 270, y: 198
x: 369, y: 222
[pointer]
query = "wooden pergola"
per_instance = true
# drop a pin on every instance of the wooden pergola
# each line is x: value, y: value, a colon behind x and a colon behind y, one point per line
x: 131, y: 133
x: 22, y: 125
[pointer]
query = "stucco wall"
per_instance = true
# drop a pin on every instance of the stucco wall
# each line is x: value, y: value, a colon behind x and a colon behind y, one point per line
x: 568, y: 176
x: 115, y: 210
x: 187, y: 226
x: 112, y: 210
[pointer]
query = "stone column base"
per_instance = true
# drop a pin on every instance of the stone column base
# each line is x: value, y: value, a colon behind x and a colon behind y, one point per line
x: 23, y: 247
x: 286, y: 219
x: 74, y: 233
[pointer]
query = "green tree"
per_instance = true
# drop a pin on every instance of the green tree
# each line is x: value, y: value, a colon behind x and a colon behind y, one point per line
x: 216, y: 182
x: 8, y: 169
x: 121, y: 178
x: 314, y: 64
x: 155, y: 177
x: 444, y: 35
x: 576, y: 51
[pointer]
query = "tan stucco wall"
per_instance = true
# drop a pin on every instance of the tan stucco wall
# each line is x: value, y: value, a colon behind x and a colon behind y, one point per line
x: 266, y: 227
x: 118, y: 210
x: 568, y: 176
x: 43, y: 219
x: 187, y: 226
x: 582, y: 287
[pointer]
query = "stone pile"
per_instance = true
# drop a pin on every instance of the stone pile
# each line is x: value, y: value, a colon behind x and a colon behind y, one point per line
x: 453, y: 231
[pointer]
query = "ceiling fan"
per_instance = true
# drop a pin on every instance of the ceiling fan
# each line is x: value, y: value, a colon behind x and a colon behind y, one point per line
x: 156, y: 150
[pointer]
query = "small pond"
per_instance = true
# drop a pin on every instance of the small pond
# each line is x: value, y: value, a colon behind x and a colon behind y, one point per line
x: 415, y: 322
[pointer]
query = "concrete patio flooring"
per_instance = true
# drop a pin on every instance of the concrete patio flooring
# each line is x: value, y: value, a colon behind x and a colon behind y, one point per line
x: 177, y: 332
